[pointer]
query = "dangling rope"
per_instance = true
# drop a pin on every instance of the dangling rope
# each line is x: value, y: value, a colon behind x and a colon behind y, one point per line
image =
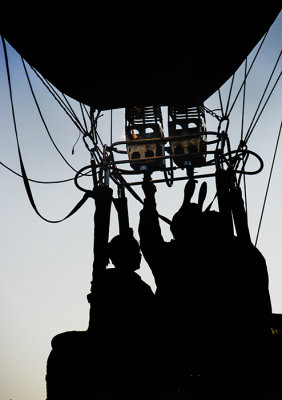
x: 69, y: 112
x: 34, y: 180
x: 64, y: 104
x: 268, y: 183
x: 42, y: 118
x: 83, y: 110
x: 24, y: 176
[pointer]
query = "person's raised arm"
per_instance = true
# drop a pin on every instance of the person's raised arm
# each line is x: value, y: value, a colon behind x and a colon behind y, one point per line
x: 151, y: 239
x: 103, y: 201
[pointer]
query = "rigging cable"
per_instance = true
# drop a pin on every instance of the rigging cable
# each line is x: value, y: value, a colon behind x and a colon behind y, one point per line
x: 253, y: 124
x: 229, y: 95
x: 212, y: 112
x: 71, y: 111
x: 83, y: 110
x: 34, y: 180
x: 42, y: 119
x: 116, y: 176
x: 220, y: 101
x: 95, y: 131
x: 268, y: 183
x: 244, y: 98
x: 55, y: 95
x: 255, y: 57
x: 24, y: 176
x: 242, y: 130
x: 111, y: 140
x: 94, y: 136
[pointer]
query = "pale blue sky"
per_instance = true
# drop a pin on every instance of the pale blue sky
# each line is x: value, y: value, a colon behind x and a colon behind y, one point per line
x: 46, y: 268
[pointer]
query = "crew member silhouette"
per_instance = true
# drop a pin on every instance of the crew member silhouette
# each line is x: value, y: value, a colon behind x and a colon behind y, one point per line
x: 120, y: 292
x: 123, y: 306
x: 107, y: 361
x: 212, y: 292
x: 180, y: 299
x: 171, y: 261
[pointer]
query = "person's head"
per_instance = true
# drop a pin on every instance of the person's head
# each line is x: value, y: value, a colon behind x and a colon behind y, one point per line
x: 185, y: 222
x: 124, y: 252
x: 215, y: 225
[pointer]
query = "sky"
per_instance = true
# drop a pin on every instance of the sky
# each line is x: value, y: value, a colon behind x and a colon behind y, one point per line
x: 46, y: 268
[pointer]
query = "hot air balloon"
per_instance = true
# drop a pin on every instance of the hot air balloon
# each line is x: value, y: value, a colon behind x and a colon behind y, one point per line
x: 173, y: 59
x: 142, y: 62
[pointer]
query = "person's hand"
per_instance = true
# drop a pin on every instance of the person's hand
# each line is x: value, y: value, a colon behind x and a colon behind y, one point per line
x: 189, y: 190
x: 149, y: 188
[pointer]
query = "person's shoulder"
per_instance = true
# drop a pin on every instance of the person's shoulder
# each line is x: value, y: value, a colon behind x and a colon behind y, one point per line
x: 250, y: 254
x: 139, y: 281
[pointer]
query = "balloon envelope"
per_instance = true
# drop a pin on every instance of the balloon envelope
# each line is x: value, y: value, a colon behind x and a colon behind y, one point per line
x: 170, y: 57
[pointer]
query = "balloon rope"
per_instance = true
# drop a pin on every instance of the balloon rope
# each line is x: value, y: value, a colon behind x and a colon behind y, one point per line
x: 111, y: 126
x: 220, y: 100
x: 270, y: 174
x: 255, y: 57
x: 70, y: 113
x: 253, y: 124
x: 244, y: 98
x: 24, y: 176
x: 229, y: 95
x: 242, y: 129
x: 42, y: 118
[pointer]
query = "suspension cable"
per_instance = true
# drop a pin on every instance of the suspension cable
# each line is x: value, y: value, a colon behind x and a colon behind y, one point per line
x: 55, y: 95
x: 244, y: 99
x: 71, y: 110
x: 116, y: 176
x: 268, y: 183
x: 245, y: 195
x: 251, y: 66
x: 42, y: 119
x: 242, y: 130
x: 111, y: 128
x: 253, y: 124
x: 96, y: 131
x: 220, y: 101
x: 24, y: 176
x: 82, y: 110
x: 229, y: 95
x: 34, y: 180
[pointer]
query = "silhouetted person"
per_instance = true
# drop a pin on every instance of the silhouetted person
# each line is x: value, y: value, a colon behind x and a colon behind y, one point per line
x: 177, y: 269
x: 174, y: 260
x: 239, y: 308
x: 109, y: 360
x: 119, y: 291
x: 212, y: 291
x: 122, y: 306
